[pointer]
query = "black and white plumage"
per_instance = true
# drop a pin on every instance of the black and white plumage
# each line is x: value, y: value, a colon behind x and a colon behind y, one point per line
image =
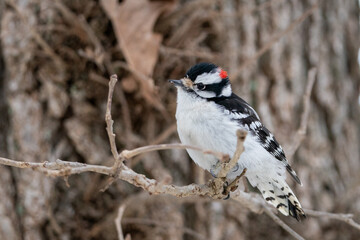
x: 208, y: 115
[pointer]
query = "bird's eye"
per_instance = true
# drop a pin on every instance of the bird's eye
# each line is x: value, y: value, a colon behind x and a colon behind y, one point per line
x: 200, y: 86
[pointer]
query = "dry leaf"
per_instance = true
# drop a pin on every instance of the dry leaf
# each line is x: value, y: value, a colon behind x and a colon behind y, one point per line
x: 133, y: 22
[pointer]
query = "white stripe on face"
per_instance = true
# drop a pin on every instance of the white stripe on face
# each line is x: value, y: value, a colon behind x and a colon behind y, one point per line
x: 208, y: 78
x: 206, y: 94
x: 226, y: 92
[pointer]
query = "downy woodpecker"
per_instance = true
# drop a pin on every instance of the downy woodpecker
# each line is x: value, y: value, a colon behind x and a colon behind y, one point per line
x: 208, y: 115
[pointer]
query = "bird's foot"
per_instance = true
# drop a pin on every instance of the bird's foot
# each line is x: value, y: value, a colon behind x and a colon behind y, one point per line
x: 214, y: 170
x: 228, y: 188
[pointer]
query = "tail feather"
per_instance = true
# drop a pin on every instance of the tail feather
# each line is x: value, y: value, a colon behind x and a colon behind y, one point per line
x: 279, y: 194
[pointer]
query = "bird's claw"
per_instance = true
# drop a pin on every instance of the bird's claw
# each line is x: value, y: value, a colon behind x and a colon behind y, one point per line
x: 227, y: 197
x: 215, y: 169
x: 212, y: 173
x: 226, y: 190
x: 236, y: 167
x: 231, y: 187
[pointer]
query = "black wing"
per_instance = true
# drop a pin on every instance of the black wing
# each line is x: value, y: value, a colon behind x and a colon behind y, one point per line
x: 236, y: 104
x: 247, y: 117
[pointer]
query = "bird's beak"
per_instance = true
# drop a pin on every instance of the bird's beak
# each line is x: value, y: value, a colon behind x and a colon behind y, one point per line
x: 177, y: 82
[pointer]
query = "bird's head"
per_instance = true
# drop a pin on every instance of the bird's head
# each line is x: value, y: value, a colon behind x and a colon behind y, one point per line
x: 206, y: 80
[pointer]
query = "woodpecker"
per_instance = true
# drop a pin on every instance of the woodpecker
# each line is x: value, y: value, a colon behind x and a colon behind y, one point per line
x: 208, y: 115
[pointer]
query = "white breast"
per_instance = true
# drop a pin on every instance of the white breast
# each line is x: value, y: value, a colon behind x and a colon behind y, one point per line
x: 203, y: 124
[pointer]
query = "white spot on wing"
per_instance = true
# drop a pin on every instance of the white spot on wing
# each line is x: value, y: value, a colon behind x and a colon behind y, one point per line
x: 269, y: 138
x: 255, y: 125
x: 237, y: 115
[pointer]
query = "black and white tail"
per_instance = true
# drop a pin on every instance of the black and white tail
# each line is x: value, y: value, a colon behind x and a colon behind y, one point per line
x: 279, y: 194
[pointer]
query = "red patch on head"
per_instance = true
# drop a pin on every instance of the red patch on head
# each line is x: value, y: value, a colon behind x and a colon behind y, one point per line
x: 223, y: 74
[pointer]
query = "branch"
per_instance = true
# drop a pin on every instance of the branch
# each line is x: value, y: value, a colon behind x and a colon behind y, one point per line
x: 146, y: 88
x: 151, y: 148
x: 344, y: 217
x: 251, y: 201
x: 282, y: 224
x: 108, y: 118
x: 118, y: 221
x: 58, y: 168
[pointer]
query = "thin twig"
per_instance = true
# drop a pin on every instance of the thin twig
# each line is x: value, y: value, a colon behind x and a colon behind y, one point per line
x: 159, y: 139
x: 120, y: 96
x: 118, y: 222
x: 150, y: 148
x: 234, y: 184
x: 345, y: 217
x: 146, y: 88
x: 128, y: 154
x: 108, y: 118
x: 282, y: 224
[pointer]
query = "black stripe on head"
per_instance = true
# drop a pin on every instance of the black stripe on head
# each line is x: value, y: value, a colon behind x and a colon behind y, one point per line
x: 199, y: 69
x: 217, y: 87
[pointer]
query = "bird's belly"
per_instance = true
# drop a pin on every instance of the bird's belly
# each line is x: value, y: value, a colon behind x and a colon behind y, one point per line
x: 209, y: 131
x: 217, y: 133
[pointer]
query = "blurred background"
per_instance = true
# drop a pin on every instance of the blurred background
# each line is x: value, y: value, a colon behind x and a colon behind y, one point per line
x: 55, y: 61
